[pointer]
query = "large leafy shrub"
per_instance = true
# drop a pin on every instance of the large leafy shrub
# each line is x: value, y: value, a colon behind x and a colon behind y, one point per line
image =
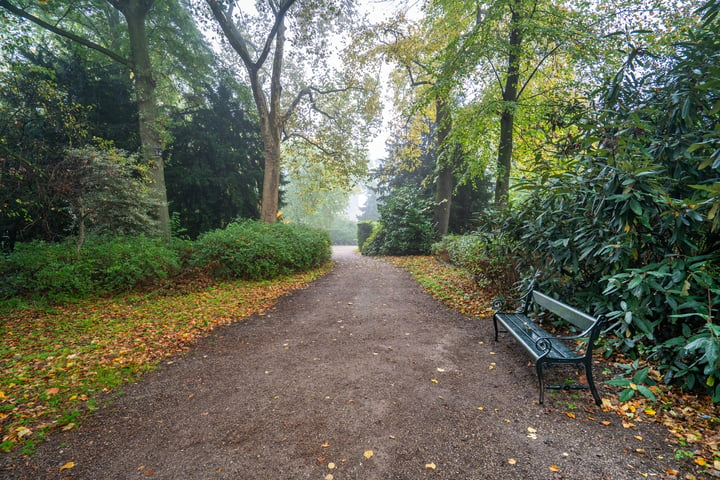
x: 257, y: 250
x: 57, y: 271
x: 406, y: 225
x: 629, y: 225
x: 489, y: 257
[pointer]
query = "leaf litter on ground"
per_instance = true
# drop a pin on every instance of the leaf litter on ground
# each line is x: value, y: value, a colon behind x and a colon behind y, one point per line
x: 57, y: 362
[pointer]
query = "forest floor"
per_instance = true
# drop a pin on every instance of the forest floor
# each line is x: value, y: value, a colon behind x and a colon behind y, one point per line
x: 363, y: 375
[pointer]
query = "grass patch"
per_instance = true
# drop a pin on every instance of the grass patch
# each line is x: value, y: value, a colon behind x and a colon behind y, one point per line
x: 58, y: 362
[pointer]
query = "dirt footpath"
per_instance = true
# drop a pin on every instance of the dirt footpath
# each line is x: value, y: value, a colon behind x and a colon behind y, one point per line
x: 360, y: 376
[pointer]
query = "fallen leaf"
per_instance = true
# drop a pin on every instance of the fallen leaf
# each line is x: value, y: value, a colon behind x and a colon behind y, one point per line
x: 434, y: 380
x: 331, y: 465
x: 638, y: 437
x: 368, y: 454
x: 672, y: 472
x: 67, y: 427
x: 481, y: 408
x: 554, y: 468
x: 68, y: 466
x: 52, y: 391
x: 701, y: 461
x: 570, y: 414
x: 441, y: 370
x: 325, y: 445
x: 606, y: 423
x: 430, y: 466
x: 329, y: 476
x: 512, y: 461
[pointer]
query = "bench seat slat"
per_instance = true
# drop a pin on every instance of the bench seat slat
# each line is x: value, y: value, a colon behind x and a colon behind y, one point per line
x: 528, y: 333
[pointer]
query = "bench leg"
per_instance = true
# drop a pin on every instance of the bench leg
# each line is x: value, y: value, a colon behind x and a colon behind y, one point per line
x: 538, y: 367
x: 496, y: 329
x: 591, y: 383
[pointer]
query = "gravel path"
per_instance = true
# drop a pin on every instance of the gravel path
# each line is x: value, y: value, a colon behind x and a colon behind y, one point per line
x: 360, y: 376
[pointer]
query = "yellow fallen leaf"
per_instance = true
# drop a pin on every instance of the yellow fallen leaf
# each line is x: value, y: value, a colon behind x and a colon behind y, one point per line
x: 368, y: 454
x: 23, y: 432
x: 67, y: 427
x: 701, y: 461
x: 325, y: 445
x: 329, y: 476
x: 512, y: 461
x: 481, y: 408
x: 649, y: 411
x: 441, y: 370
x: 570, y: 414
x: 3, y: 396
x: 331, y: 465
x: 554, y: 468
x: 672, y: 472
x: 430, y: 466
x: 434, y: 380
x: 68, y: 466
x: 638, y: 437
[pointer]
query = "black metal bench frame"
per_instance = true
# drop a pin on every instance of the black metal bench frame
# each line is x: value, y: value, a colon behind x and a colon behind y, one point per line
x: 546, y: 349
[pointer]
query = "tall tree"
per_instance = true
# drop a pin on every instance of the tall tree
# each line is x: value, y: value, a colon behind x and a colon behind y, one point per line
x: 508, y: 48
x: 260, y: 39
x: 95, y: 24
x: 215, y: 173
x: 410, y: 47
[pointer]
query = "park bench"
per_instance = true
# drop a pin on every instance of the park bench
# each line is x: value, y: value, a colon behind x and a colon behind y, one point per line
x: 547, y: 349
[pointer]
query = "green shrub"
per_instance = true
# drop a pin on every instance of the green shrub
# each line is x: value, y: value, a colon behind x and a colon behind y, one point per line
x: 488, y: 256
x: 406, y: 225
x: 57, y: 271
x: 364, y: 230
x: 257, y: 250
x: 628, y: 224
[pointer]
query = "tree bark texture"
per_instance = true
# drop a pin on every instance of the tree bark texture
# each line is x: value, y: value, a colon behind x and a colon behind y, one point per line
x: 510, y: 97
x: 150, y: 124
x: 445, y: 184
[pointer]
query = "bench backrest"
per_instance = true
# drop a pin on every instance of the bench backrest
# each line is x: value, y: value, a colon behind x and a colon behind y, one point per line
x: 570, y: 314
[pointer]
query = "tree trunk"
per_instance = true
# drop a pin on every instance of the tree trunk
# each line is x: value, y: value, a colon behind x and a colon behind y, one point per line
x: 444, y: 168
x: 150, y: 125
x: 507, y: 120
x: 272, y: 130
x: 271, y: 176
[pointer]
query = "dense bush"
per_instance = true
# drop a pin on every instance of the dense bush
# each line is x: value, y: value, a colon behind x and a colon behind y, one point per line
x: 105, y: 264
x: 627, y: 224
x: 256, y: 250
x: 488, y: 256
x: 406, y: 225
x: 250, y: 250
x: 364, y: 230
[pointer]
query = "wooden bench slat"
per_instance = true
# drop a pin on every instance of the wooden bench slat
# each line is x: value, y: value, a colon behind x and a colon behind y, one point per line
x: 564, y: 311
x: 529, y: 333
